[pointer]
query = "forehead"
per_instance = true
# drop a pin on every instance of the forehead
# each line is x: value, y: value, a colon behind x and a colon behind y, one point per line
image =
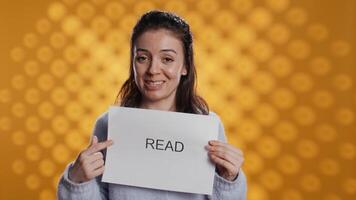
x: 158, y: 39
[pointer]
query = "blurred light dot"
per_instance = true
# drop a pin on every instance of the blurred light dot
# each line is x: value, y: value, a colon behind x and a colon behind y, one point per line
x: 296, y: 16
x: 241, y: 6
x: 266, y: 114
x: 299, y: 49
x: 5, y: 123
x: 31, y: 68
x: 60, y: 153
x: 71, y: 25
x: 244, y: 35
x: 46, y: 110
x: 307, y: 149
x: 261, y: 50
x: 317, y: 32
x: 278, y: 33
x: 288, y: 164
x: 43, y: 26
x: 330, y: 196
x: 32, y: 95
x: 30, y: 40
x: 291, y: 194
x: 283, y: 98
x: 87, y: 39
x: 277, y: 5
x: 310, y: 183
x: 285, y: 131
x: 245, y: 66
x: 56, y: 11
x: 100, y: 25
x: 271, y: 180
x: 60, y: 125
x: 46, y: 138
x: 45, y: 54
x: 72, y: 54
x: 5, y: 96
x: 247, y: 98
x: 320, y: 65
x: 74, y: 111
x: 33, y: 152
x: 85, y: 10
x: 59, y: 96
x: 225, y: 20
x: 128, y: 22
x: 73, y: 82
x: 18, y: 138
x: 45, y: 82
x: 33, y: 181
x: 47, y: 167
x: 17, y: 54
x: 345, y: 116
x: 260, y: 18
x: 249, y: 129
x: 47, y: 194
x: 349, y: 186
x: 207, y: 7
x: 253, y: 163
x: 32, y: 124
x: 347, y: 151
x: 281, y: 66
x: 268, y: 147
x: 18, y: 166
x: 143, y: 7
x: 57, y: 40
x: 18, y: 82
x: 340, y: 48
x: 114, y: 10
x: 18, y: 109
x: 329, y: 167
x: 301, y: 82
x: 325, y: 132
x: 323, y: 99
x: 263, y: 82
x: 75, y: 140
x: 342, y: 82
x: 59, y: 68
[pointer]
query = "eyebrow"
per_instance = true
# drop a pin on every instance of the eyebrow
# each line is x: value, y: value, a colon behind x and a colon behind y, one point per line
x: 164, y: 50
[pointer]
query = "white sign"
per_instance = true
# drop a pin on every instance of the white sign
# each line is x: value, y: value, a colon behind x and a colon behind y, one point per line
x: 160, y: 150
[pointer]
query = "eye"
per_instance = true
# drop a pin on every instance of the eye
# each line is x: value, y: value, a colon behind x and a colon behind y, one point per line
x: 167, y: 60
x: 141, y: 58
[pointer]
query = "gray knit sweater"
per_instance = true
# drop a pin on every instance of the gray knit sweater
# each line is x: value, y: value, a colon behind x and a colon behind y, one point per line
x: 97, y: 190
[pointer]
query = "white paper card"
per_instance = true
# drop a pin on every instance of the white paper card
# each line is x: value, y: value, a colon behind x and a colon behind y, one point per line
x: 160, y: 150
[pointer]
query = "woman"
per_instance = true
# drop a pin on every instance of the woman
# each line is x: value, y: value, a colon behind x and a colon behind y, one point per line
x: 162, y: 77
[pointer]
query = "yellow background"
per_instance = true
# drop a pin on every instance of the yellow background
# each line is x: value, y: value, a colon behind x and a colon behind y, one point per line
x: 280, y: 73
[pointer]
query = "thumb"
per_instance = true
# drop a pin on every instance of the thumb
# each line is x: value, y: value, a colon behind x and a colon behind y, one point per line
x: 94, y: 140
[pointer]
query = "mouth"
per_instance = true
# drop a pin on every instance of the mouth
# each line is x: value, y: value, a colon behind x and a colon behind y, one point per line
x: 153, y: 84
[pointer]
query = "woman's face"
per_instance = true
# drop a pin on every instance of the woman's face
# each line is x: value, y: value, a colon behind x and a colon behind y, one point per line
x: 158, y: 65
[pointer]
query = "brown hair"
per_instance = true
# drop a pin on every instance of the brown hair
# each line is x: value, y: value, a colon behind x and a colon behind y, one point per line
x: 186, y: 98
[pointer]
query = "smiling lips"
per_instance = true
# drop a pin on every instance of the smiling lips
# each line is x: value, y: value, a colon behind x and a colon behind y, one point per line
x: 154, y: 84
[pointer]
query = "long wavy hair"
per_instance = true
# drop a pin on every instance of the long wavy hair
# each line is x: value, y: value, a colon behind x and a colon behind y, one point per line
x: 187, y: 100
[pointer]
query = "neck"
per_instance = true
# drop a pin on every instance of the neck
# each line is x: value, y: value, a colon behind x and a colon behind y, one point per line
x: 159, y: 105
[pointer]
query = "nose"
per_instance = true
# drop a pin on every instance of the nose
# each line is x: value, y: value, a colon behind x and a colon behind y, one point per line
x: 154, y: 67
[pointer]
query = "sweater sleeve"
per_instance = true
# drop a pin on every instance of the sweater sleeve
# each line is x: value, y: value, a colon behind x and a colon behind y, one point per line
x: 225, y: 189
x: 90, y: 190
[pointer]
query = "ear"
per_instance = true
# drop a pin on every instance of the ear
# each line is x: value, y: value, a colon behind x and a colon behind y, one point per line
x: 184, y: 71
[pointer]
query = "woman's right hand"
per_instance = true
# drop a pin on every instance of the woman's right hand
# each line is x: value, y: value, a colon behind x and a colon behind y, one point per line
x: 90, y: 162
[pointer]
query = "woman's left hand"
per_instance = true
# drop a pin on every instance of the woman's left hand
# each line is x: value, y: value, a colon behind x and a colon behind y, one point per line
x: 228, y: 159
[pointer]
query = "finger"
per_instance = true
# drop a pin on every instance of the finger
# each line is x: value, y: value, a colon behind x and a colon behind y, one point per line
x: 228, y: 156
x: 223, y: 163
x: 231, y: 147
x: 94, y: 157
x: 97, y: 164
x: 93, y: 141
x: 224, y: 149
x: 99, y: 146
x: 99, y: 171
